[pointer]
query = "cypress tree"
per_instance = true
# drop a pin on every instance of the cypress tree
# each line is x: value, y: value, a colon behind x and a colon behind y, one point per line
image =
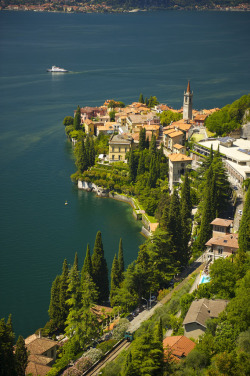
x: 153, y: 172
x: 174, y: 226
x: 115, y: 279
x: 55, y: 304
x: 92, y: 153
x: 152, y: 147
x: 76, y: 262
x: 121, y: 261
x: 141, y: 99
x: 7, y: 363
x: 100, y: 269
x: 141, y: 165
x: 142, y: 139
x: 64, y: 309
x: 81, y: 156
x: 186, y: 221
x: 147, y: 143
x: 74, y: 288
x: 21, y: 357
x: 244, y: 230
x: 77, y: 119
x: 146, y: 101
x: 87, y: 266
x: 208, y: 211
x: 132, y: 166
x: 87, y: 148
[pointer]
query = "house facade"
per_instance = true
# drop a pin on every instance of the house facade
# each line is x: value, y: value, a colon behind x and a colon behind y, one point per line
x: 177, y: 167
x: 223, y: 243
x: 119, y: 145
x: 199, y: 312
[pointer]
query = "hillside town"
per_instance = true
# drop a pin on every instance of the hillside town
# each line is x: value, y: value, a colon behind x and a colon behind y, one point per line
x: 106, y: 7
x: 190, y: 272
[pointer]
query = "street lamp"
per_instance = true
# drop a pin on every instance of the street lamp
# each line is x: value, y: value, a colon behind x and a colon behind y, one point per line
x: 146, y: 302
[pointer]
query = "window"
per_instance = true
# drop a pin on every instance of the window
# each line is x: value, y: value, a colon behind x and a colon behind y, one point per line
x: 119, y: 157
x: 119, y: 149
x: 220, y: 251
x: 113, y: 157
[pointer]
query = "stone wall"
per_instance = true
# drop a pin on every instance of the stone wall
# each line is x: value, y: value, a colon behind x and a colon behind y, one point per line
x: 91, y: 187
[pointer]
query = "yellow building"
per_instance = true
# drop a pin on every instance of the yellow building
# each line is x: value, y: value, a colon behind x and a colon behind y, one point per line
x: 89, y: 127
x: 119, y: 145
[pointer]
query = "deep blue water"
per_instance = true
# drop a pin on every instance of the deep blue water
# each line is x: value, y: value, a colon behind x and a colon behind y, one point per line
x: 109, y: 56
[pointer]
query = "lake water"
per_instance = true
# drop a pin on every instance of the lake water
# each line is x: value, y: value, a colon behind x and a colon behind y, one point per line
x: 109, y: 56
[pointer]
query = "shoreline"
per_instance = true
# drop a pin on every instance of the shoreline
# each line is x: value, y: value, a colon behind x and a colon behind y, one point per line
x: 105, y: 193
x: 113, y: 11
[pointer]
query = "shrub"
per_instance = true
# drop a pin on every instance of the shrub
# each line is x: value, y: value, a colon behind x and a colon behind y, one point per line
x: 93, y: 354
x: 120, y: 329
x: 106, y: 346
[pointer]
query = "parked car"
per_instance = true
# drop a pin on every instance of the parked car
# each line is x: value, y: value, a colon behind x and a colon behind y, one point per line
x: 130, y: 317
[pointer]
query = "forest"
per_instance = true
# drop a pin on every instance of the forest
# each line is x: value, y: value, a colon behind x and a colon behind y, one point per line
x: 230, y: 117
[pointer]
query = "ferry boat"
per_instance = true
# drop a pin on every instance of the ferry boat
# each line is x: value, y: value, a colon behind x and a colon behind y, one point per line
x: 55, y: 69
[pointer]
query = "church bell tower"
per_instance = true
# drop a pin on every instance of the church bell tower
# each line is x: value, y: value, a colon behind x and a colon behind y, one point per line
x: 188, y: 104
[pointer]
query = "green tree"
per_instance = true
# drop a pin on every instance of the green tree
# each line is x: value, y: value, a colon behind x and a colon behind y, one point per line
x: 223, y: 278
x: 74, y: 302
x: 152, y: 147
x: 132, y: 166
x: 55, y: 304
x: 121, y: 261
x: 112, y: 115
x: 186, y: 221
x: 174, y: 227
x: 142, y: 139
x: 115, y: 279
x: 154, y: 172
x: 77, y: 119
x: 87, y: 265
x: 166, y: 117
x: 21, y: 357
x: 6, y: 348
x: 100, y: 269
x: 68, y: 120
x: 152, y: 102
x: 81, y: 156
x: 64, y: 285
x: 141, y: 99
x: 244, y: 230
x: 141, y: 165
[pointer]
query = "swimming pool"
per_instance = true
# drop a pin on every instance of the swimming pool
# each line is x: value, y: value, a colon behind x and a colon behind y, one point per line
x: 204, y: 279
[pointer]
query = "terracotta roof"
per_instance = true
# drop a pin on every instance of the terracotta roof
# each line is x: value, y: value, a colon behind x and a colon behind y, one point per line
x: 136, y: 135
x: 88, y: 121
x: 40, y: 345
x: 200, y: 117
x: 152, y: 126
x: 176, y: 134
x: 169, y: 131
x: 40, y: 359
x: 230, y: 240
x: 179, y: 157
x: 222, y: 222
x: 179, y: 346
x: 203, y: 309
x: 37, y: 369
x: 178, y: 146
x: 153, y: 226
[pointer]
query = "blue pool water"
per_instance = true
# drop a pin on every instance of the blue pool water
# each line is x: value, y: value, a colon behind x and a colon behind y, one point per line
x: 205, y: 279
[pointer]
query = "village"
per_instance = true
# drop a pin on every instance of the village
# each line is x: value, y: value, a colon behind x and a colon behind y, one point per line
x: 175, y: 139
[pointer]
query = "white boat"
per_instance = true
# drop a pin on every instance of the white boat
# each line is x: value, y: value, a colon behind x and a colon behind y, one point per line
x: 55, y: 69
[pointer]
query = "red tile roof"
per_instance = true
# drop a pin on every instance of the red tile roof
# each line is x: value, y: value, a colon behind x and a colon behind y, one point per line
x: 179, y: 346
